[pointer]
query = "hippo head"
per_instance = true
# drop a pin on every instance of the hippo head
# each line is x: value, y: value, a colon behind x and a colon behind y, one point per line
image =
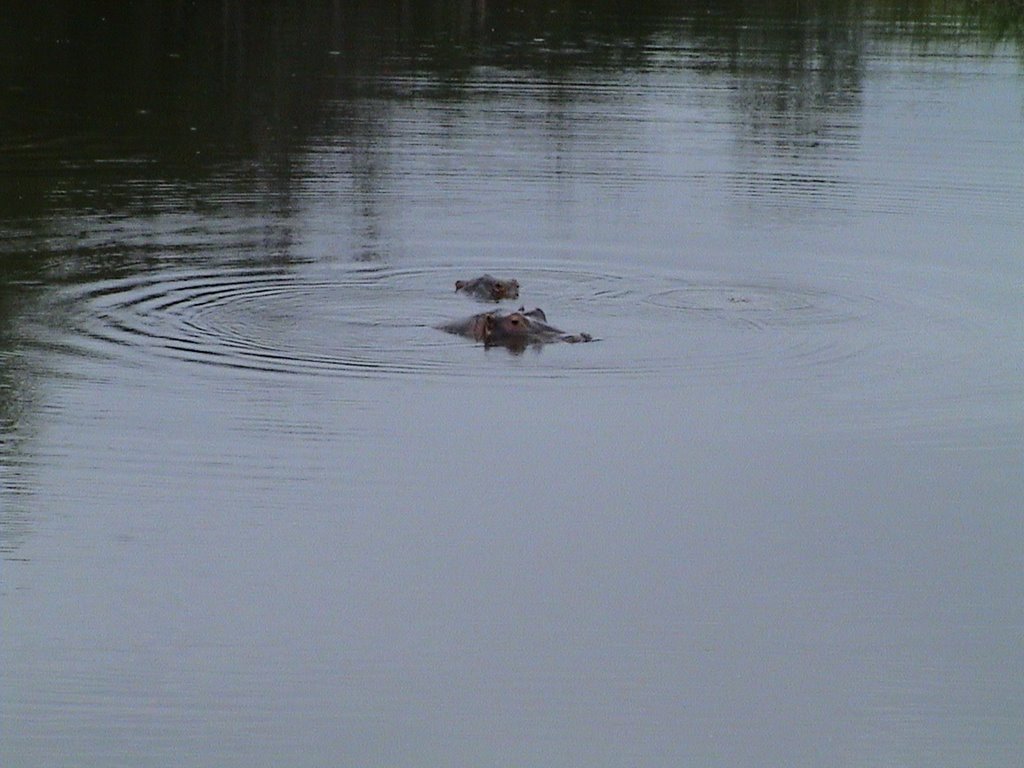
x: 488, y: 287
x: 505, y: 289
x: 498, y: 327
x: 516, y: 330
x: 519, y: 327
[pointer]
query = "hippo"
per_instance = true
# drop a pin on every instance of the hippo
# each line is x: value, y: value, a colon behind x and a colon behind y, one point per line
x: 489, y: 288
x: 516, y: 330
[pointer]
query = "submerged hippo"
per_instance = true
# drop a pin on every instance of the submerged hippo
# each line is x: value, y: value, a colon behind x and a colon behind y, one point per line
x: 487, y: 287
x: 515, y: 330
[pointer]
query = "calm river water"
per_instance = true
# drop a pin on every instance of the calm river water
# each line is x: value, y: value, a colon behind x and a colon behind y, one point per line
x: 255, y: 509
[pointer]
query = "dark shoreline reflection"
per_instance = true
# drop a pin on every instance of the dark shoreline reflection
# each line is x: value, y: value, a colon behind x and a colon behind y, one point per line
x: 19, y: 402
x: 99, y: 106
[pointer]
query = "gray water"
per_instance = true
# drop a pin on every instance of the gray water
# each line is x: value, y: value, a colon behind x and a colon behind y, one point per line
x: 255, y: 509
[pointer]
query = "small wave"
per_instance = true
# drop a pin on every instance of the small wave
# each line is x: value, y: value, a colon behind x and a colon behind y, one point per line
x: 762, y: 305
x: 258, y: 320
x: 371, y: 321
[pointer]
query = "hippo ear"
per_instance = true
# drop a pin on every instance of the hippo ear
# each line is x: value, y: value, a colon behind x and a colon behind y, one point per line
x: 460, y: 284
x: 488, y: 325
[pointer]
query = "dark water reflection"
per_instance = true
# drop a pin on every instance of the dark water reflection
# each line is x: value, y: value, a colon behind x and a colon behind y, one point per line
x: 255, y: 507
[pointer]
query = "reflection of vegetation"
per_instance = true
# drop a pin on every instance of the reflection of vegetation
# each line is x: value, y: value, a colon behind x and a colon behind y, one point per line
x: 16, y: 388
x: 148, y: 101
x: 933, y: 21
x: 793, y: 73
x: 172, y: 89
x: 155, y: 103
x: 114, y: 110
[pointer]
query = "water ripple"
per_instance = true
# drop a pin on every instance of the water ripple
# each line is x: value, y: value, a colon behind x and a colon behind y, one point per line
x: 370, y: 321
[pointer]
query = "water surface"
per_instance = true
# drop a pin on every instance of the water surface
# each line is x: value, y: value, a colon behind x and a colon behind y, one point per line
x: 256, y: 509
